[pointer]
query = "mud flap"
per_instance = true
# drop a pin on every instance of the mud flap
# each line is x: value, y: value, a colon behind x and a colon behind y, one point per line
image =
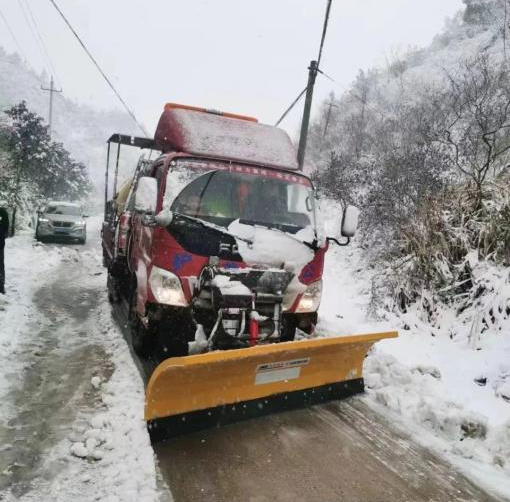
x: 190, y: 393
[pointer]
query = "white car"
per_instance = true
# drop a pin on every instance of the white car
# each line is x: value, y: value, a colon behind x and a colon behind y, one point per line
x: 61, y: 221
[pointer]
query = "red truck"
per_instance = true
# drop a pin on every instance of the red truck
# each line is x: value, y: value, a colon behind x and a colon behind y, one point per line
x: 216, y: 243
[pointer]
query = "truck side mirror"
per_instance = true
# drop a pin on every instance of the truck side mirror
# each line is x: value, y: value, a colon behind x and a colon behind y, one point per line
x: 146, y: 196
x: 349, y: 221
x: 349, y: 225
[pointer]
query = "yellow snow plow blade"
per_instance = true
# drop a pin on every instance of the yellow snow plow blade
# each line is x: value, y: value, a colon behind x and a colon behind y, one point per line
x: 199, y: 391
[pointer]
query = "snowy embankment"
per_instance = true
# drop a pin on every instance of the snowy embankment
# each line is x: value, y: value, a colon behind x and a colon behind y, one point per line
x: 99, y: 448
x: 447, y: 384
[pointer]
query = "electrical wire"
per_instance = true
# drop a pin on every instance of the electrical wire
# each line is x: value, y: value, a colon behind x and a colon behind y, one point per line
x: 96, y: 64
x: 324, y: 29
x: 323, y: 38
x: 42, y: 44
x: 13, y: 37
x: 291, y: 106
x: 353, y: 94
x: 34, y: 36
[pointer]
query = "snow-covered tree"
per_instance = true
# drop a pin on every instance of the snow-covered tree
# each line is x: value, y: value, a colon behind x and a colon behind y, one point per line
x: 33, y: 167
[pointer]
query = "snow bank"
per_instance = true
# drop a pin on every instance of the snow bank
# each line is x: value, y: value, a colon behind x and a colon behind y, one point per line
x: 448, y: 382
x: 112, y: 447
x: 26, y: 267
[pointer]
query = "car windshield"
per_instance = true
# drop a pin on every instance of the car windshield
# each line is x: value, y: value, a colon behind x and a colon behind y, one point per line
x: 252, y: 195
x: 63, y: 209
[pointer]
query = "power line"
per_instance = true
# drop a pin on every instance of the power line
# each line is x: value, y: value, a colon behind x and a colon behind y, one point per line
x: 291, y: 106
x: 353, y: 94
x: 38, y: 32
x: 316, y: 67
x: 324, y: 29
x: 34, y: 36
x: 142, y: 128
x: 13, y: 37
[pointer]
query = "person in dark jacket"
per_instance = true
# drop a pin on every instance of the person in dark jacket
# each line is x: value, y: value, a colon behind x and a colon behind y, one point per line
x: 4, y: 233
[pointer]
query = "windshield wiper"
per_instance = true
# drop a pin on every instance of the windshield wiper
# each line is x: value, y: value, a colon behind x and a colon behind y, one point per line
x: 275, y: 226
x: 207, y: 224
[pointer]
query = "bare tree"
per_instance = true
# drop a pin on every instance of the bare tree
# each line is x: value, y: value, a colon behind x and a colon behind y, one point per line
x: 477, y: 118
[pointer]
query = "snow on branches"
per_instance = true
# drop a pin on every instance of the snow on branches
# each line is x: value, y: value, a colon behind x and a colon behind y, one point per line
x: 32, y: 166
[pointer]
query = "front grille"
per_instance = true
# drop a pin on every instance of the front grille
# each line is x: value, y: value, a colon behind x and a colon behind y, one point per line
x: 64, y: 224
x: 269, y: 282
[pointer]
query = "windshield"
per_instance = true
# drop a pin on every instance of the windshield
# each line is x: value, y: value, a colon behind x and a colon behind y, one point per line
x: 252, y: 195
x: 63, y: 209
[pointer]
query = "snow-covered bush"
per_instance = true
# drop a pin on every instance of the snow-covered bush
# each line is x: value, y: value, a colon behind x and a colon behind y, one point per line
x: 456, y: 253
x: 423, y: 148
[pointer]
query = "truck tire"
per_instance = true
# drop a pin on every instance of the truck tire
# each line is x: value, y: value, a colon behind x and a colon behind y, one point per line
x: 112, y: 288
x: 175, y: 333
x: 289, y: 325
x: 142, y: 339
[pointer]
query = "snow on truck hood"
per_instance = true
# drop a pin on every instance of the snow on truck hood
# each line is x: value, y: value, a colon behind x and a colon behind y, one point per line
x: 271, y: 247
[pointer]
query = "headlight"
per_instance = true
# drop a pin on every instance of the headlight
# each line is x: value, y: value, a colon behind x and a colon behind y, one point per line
x: 311, y: 298
x: 80, y: 224
x: 166, y: 287
x: 43, y: 220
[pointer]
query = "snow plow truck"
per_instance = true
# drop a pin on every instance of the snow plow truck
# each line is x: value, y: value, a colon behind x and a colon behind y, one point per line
x: 216, y: 249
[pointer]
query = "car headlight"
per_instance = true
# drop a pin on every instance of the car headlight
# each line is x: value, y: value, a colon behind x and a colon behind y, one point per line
x: 166, y: 287
x: 80, y: 223
x: 43, y: 220
x: 311, y: 298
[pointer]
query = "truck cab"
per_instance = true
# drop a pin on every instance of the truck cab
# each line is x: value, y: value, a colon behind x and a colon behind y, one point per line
x: 216, y: 243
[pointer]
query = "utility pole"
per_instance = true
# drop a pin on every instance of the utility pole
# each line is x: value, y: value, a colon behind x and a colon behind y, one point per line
x: 331, y: 104
x: 51, y: 90
x: 312, y: 73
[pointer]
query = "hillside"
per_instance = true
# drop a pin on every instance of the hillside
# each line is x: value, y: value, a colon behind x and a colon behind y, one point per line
x: 82, y: 129
x: 477, y: 29
x: 422, y: 145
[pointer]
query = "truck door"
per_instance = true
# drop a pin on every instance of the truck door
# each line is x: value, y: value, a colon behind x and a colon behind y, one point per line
x: 141, y: 253
x: 108, y: 233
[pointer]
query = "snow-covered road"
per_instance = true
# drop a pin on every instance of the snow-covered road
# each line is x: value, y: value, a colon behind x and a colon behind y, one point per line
x: 340, y: 451
x: 71, y: 411
x: 71, y: 404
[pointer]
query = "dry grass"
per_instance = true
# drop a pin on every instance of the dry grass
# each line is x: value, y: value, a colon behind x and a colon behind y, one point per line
x: 437, y: 249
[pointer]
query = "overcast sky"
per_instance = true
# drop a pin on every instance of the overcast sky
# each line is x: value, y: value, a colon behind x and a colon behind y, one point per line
x: 235, y: 55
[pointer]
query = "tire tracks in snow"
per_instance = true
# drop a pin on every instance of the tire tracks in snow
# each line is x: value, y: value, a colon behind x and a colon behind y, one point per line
x: 74, y: 387
x: 46, y: 397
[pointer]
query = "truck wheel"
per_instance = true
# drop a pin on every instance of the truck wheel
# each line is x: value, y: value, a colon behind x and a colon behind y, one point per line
x: 112, y: 288
x: 141, y: 337
x: 106, y: 259
x: 175, y: 333
x: 289, y: 325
